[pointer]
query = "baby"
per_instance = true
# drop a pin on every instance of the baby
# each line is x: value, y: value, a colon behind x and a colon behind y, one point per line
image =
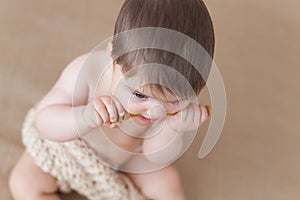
x: 77, y: 137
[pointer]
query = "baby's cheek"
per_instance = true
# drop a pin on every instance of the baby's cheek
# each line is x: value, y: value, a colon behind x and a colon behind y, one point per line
x: 127, y: 102
x: 133, y: 107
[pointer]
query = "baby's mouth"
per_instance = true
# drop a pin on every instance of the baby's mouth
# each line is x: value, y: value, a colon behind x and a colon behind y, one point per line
x: 145, y: 119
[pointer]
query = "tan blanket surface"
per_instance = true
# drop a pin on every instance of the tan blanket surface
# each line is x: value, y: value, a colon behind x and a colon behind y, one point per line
x: 257, y: 156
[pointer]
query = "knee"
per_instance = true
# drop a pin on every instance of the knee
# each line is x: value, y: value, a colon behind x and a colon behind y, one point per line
x: 16, y: 184
x: 167, y: 183
x: 19, y: 186
x: 171, y: 178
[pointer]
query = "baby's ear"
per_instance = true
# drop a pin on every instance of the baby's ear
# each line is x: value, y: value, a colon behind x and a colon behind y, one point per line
x: 109, y: 48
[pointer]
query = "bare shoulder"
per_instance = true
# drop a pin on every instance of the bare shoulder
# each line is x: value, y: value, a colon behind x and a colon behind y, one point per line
x: 89, y: 64
x: 72, y: 87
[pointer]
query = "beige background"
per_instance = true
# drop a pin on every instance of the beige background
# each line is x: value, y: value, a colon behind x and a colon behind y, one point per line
x: 257, y: 156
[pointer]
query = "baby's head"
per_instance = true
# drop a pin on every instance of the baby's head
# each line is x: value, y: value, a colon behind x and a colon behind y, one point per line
x: 189, y: 17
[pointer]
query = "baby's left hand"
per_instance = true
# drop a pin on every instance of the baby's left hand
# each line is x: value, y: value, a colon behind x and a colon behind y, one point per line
x: 188, y: 119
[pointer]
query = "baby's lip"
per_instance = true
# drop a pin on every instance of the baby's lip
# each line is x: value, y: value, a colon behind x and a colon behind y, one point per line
x: 149, y: 118
x: 144, y: 119
x: 145, y: 116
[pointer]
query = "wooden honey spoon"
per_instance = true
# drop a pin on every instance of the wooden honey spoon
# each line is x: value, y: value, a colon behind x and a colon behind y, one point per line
x: 129, y: 115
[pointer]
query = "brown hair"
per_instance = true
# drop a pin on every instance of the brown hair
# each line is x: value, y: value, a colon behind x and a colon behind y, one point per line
x: 189, y: 17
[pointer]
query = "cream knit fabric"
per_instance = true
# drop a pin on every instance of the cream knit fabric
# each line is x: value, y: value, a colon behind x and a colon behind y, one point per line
x: 75, y: 168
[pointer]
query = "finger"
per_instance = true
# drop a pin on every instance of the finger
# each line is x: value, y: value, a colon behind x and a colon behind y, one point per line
x: 187, y: 113
x: 204, y: 114
x: 190, y: 114
x: 197, y: 115
x: 91, y: 116
x: 113, y: 125
x: 99, y: 118
x: 102, y: 112
x: 111, y: 108
x: 120, y: 108
x: 183, y: 104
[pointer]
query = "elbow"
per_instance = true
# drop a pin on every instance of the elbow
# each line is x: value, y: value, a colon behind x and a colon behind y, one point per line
x: 44, y: 127
x: 40, y: 123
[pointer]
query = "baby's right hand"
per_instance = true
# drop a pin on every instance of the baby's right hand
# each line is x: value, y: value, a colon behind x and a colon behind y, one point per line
x: 103, y: 110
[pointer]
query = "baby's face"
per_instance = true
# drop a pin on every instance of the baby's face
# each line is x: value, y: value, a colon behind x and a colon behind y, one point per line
x: 143, y: 101
x: 139, y: 98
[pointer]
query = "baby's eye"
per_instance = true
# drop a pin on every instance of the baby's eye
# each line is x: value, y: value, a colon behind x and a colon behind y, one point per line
x: 139, y: 95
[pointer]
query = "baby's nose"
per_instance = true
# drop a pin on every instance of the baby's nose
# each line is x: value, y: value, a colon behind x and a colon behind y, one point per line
x: 156, y: 111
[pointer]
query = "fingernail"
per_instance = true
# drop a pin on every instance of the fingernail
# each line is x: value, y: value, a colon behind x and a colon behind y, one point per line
x: 204, y: 114
x: 103, y: 115
x: 112, y: 125
x: 122, y: 113
x: 113, y: 120
x: 97, y: 121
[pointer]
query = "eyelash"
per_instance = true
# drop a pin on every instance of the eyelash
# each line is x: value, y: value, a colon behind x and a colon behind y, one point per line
x: 140, y: 96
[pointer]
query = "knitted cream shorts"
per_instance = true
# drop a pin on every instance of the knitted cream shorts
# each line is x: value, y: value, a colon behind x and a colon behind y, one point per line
x: 75, y: 168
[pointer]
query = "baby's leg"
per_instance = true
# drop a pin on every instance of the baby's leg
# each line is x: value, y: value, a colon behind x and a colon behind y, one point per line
x: 163, y: 184
x: 28, y: 182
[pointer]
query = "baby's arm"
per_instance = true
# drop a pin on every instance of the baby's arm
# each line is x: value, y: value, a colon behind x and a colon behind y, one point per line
x: 167, y: 145
x: 167, y: 142
x: 55, y: 117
